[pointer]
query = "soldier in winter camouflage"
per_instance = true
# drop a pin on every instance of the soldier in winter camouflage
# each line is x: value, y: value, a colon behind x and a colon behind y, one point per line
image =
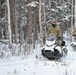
x: 54, y: 29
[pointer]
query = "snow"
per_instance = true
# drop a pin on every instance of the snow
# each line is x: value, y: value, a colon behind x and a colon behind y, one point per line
x: 36, y: 64
x: 33, y: 4
x: 53, y: 10
x: 59, y: 7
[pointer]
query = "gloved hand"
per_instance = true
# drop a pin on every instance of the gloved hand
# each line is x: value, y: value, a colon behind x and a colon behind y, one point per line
x: 59, y: 38
x: 74, y: 35
x: 63, y: 43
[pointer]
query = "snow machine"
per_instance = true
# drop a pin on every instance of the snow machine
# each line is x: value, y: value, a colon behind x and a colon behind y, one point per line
x: 52, y: 51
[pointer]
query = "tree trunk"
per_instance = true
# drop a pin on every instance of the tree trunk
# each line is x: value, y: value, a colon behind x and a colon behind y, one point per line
x: 20, y: 21
x: 0, y: 22
x: 75, y: 15
x: 15, y: 23
x: 72, y: 38
x: 44, y: 35
x: 6, y: 28
x: 9, y: 25
x: 49, y: 3
x: 34, y: 29
x: 41, y: 35
x: 29, y: 24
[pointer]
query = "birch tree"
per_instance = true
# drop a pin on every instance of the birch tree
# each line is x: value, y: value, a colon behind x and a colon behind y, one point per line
x: 72, y: 39
x: 9, y: 24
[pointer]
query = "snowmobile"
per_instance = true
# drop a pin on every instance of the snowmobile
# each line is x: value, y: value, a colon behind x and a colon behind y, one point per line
x: 52, y: 51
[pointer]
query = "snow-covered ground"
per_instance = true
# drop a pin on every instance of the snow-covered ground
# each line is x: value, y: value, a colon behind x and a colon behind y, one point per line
x: 38, y: 65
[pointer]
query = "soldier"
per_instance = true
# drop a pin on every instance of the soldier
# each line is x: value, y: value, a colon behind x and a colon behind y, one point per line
x: 54, y: 29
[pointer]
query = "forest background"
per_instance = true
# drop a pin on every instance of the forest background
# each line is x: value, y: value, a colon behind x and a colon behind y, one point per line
x: 24, y: 23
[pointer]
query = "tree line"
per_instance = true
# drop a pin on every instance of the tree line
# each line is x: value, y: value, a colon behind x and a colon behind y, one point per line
x: 27, y: 21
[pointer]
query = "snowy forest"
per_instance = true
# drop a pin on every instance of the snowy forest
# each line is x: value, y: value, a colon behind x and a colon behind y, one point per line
x: 23, y: 32
x: 24, y: 23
